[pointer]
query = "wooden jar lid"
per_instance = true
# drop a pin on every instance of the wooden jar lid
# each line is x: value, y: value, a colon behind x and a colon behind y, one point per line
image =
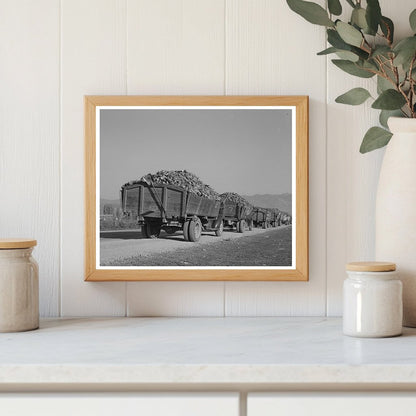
x: 11, y: 243
x: 371, y: 266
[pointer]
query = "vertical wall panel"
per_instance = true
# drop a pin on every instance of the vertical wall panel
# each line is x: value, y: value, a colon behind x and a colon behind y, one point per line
x: 352, y: 177
x: 29, y: 134
x: 272, y: 51
x: 93, y: 62
x: 175, y: 47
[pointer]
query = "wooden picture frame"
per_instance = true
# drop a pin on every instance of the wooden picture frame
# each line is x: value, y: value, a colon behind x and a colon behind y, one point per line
x: 297, y: 106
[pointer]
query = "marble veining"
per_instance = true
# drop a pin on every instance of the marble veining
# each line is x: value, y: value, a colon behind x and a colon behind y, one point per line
x: 203, y: 350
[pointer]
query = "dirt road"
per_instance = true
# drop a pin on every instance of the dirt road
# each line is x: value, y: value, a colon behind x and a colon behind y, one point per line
x: 271, y: 247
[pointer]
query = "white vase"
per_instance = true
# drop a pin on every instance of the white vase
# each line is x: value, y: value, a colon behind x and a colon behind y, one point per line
x: 396, y: 210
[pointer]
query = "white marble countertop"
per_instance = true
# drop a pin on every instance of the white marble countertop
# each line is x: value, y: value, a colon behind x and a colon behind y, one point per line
x: 203, y: 351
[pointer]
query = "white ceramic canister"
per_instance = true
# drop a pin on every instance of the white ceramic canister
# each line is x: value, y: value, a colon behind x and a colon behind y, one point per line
x: 19, y: 286
x: 372, y: 300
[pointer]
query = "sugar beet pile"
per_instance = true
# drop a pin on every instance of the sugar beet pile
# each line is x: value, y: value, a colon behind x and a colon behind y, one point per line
x: 182, y: 178
x: 233, y: 197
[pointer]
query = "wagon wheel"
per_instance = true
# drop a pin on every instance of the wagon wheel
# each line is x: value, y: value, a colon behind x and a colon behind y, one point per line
x: 195, y: 229
x: 144, y: 231
x: 153, y: 230
x: 219, y: 230
x: 241, y: 225
x: 186, y: 230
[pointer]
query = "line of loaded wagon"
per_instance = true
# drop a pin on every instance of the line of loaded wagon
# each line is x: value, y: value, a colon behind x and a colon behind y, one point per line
x: 160, y: 206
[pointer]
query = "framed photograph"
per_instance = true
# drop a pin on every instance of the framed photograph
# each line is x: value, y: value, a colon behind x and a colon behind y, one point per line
x: 196, y: 188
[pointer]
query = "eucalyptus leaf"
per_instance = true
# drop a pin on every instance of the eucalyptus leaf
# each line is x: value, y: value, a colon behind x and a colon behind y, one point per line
x: 334, y: 7
x: 356, y: 96
x: 389, y: 100
x: 373, y: 15
x: 358, y: 18
x: 327, y: 51
x: 405, y: 50
x: 375, y: 138
x: 352, y: 68
x: 347, y: 55
x: 381, y: 50
x: 373, y: 65
x: 311, y: 12
x: 386, y: 114
x: 350, y: 56
x: 387, y: 27
x: 412, y: 20
x: 383, y: 84
x: 349, y: 34
x: 336, y: 41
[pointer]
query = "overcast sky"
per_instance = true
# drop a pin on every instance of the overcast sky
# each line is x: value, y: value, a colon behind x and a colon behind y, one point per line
x: 244, y: 151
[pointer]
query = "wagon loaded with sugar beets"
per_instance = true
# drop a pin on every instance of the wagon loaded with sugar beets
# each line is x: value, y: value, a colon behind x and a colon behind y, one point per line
x: 275, y: 217
x: 172, y: 201
x: 236, y: 212
x: 261, y: 217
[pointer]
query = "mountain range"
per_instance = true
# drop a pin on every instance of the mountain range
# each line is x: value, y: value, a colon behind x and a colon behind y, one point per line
x: 282, y: 201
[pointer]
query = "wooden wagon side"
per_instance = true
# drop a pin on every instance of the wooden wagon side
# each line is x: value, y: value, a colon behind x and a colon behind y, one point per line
x: 171, y: 208
x: 261, y: 217
x: 236, y: 216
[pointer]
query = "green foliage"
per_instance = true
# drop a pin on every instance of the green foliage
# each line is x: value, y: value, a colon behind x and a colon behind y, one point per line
x: 366, y: 47
x: 405, y: 51
x: 334, y: 7
x: 311, y: 12
x: 389, y: 100
x: 355, y: 96
x: 387, y: 27
x: 412, y: 20
x: 358, y: 19
x: 373, y: 15
x: 352, y: 68
x: 375, y: 138
x: 349, y: 34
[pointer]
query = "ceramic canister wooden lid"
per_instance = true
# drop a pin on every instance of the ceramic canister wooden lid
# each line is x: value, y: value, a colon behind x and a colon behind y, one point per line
x: 13, y: 243
x: 371, y: 266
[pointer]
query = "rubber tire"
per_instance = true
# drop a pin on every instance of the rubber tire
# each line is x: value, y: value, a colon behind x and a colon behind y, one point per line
x: 144, y: 231
x: 250, y: 226
x: 186, y: 230
x: 195, y: 229
x: 264, y: 226
x: 241, y: 225
x: 153, y: 230
x: 218, y: 232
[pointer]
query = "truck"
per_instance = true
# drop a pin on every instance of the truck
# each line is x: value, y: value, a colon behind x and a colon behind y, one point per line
x: 171, y: 208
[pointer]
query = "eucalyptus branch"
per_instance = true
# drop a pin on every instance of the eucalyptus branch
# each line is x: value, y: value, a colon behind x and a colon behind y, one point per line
x: 365, y: 44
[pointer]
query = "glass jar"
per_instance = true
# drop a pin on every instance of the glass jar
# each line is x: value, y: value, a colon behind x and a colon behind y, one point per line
x: 19, y: 286
x: 372, y: 300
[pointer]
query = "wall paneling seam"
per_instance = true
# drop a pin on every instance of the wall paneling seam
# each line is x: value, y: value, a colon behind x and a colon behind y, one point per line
x: 224, y: 287
x: 60, y: 17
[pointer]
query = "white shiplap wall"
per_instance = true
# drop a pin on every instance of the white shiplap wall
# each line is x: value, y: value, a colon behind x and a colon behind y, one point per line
x: 55, y: 52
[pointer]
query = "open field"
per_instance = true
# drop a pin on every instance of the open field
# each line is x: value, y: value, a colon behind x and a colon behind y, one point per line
x: 271, y: 247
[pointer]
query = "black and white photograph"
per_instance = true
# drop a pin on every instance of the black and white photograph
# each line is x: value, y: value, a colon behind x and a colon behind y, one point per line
x: 196, y: 187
